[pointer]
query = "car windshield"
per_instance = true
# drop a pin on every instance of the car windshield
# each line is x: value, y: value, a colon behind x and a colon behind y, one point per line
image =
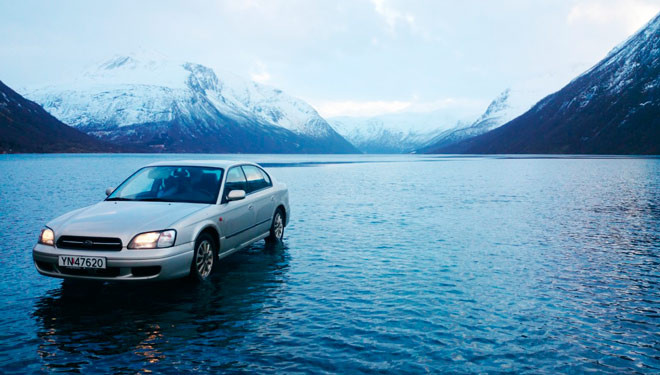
x: 171, y: 184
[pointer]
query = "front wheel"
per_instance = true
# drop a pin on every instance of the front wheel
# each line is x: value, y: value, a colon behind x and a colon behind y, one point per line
x: 204, y: 258
x: 277, y: 227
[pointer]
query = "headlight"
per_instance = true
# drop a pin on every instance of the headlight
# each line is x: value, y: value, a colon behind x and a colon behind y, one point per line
x: 47, y: 237
x: 152, y: 240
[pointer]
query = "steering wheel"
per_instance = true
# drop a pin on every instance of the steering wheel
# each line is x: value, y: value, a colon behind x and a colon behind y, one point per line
x: 180, y: 172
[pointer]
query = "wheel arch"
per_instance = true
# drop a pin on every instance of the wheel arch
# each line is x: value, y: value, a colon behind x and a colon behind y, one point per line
x: 213, y: 232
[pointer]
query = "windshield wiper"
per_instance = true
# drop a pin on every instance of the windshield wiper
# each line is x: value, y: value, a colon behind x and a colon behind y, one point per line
x: 119, y: 199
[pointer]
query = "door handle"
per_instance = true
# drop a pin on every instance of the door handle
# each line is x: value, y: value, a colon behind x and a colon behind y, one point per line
x: 250, y: 207
x: 272, y: 197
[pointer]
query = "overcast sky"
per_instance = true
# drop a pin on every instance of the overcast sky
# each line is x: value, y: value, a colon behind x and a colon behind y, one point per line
x: 359, y: 57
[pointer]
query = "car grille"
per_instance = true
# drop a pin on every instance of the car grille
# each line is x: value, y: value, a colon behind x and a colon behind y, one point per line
x: 89, y: 243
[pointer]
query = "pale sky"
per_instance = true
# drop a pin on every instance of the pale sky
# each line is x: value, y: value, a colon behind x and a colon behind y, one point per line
x: 359, y: 57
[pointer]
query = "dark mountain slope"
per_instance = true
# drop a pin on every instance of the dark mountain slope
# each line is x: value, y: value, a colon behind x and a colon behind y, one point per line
x: 26, y: 127
x: 613, y: 108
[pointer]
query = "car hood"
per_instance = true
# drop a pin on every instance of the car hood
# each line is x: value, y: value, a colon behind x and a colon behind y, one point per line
x: 122, y: 219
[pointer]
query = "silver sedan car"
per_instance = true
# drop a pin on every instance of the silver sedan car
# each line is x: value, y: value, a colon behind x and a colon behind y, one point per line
x: 168, y: 220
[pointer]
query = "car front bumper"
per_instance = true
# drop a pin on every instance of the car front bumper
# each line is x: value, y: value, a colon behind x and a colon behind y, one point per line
x: 153, y: 264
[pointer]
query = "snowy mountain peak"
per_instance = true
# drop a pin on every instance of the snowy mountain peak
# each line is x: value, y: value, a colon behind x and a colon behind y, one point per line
x: 138, y: 90
x: 118, y: 62
x: 201, y: 78
x: 156, y: 83
x: 498, y: 104
x: 509, y: 104
x: 140, y: 58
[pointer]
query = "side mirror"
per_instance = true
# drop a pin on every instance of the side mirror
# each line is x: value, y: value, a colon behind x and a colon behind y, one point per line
x: 109, y: 190
x: 236, y: 195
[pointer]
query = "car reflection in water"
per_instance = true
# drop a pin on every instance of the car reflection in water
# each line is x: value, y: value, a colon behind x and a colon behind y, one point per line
x: 186, y: 326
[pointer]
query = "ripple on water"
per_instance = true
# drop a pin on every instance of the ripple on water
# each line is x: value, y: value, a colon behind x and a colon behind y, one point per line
x: 410, y: 265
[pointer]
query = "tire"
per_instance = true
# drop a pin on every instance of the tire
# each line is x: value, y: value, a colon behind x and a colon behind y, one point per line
x: 276, y: 227
x: 204, y: 258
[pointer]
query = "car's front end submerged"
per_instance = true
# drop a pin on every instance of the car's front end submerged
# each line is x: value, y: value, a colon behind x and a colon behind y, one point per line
x: 101, y: 264
x: 117, y: 241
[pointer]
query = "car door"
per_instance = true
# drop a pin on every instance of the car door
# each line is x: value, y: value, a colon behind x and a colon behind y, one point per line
x: 259, y: 190
x: 238, y: 218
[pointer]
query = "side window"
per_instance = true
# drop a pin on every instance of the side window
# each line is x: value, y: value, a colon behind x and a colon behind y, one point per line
x: 256, y: 179
x: 235, y: 180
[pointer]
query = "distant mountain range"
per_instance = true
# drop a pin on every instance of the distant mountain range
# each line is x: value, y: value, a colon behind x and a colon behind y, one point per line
x: 394, y: 133
x: 156, y: 105
x: 613, y: 108
x: 146, y: 103
x: 26, y: 127
x: 420, y: 132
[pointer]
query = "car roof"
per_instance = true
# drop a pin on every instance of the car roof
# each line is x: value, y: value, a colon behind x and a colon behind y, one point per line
x: 201, y: 163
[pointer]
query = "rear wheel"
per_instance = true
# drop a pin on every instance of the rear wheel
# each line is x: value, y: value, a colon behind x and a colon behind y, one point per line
x: 204, y: 258
x: 277, y: 227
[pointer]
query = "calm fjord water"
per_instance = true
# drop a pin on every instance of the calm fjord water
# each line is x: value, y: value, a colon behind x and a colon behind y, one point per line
x: 392, y: 264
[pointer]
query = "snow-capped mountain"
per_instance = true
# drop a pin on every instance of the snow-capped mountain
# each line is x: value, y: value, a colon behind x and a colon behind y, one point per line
x: 419, y: 132
x: 26, y: 127
x: 612, y: 108
x: 150, y: 102
x: 396, y: 133
x: 505, y: 107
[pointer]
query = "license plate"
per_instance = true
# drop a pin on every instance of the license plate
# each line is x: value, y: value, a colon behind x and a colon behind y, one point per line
x: 81, y: 262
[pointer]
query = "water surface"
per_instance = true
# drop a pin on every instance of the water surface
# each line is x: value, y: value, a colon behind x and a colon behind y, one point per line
x: 391, y: 264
